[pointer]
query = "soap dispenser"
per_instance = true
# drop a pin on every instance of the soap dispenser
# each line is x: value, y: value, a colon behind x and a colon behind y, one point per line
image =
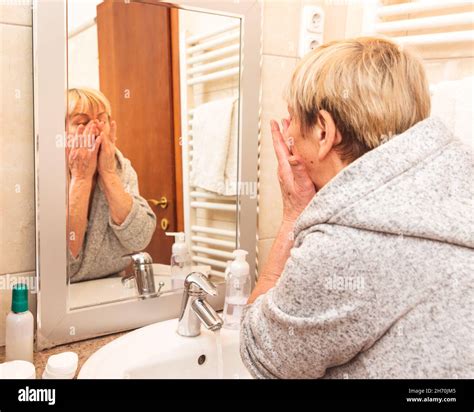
x: 180, y: 260
x: 19, y: 327
x: 237, y: 289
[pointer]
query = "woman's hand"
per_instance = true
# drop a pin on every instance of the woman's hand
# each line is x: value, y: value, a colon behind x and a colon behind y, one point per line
x: 120, y: 202
x: 296, y: 186
x: 82, y: 151
x: 107, y: 151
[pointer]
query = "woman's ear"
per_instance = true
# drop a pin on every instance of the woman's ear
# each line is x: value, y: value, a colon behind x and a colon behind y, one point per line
x: 327, y: 134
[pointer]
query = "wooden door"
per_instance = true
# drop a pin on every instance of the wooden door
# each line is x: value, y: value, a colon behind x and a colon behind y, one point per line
x: 135, y: 71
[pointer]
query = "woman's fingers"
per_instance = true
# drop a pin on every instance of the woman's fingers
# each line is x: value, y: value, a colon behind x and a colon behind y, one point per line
x: 288, y: 139
x: 98, y: 142
x: 281, y: 149
x: 113, y: 131
x: 78, y: 134
x: 87, y: 130
x: 90, y: 132
x: 286, y: 124
x: 302, y: 180
x: 80, y: 130
x: 298, y: 168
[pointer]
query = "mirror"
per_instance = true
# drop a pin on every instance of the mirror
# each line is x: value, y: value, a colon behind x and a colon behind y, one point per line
x: 180, y: 83
x: 151, y: 147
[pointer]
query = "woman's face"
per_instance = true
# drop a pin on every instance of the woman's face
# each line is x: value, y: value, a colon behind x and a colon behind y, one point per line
x: 87, y: 115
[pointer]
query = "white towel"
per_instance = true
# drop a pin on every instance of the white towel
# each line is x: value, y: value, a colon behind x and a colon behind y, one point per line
x: 230, y: 173
x: 452, y: 102
x: 214, y: 163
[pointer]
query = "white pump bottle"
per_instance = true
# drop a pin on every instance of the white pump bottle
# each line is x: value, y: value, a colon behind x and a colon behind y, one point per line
x: 180, y: 260
x: 237, y: 289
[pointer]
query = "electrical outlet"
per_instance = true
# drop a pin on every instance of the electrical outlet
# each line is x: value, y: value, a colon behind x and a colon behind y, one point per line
x: 314, y: 18
x: 310, y: 42
x: 311, y: 29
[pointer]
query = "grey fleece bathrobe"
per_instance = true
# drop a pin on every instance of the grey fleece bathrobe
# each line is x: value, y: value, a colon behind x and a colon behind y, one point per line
x: 379, y: 283
x: 105, y: 242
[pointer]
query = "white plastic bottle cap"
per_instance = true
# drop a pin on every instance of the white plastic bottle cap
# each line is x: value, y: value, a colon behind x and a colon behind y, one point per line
x: 179, y: 249
x: 62, y: 365
x: 179, y: 237
x: 17, y: 369
x: 239, y: 267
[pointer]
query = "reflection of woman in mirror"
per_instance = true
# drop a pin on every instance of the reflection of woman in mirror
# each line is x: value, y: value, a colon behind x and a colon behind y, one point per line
x: 107, y: 217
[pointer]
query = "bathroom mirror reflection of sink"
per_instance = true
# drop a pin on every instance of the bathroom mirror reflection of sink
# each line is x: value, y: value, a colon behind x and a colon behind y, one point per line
x: 118, y: 289
x: 158, y: 352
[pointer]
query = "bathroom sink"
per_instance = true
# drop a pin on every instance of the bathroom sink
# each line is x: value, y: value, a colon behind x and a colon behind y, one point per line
x: 157, y: 351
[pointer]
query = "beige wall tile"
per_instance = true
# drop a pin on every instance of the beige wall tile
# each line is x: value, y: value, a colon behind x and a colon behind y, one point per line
x: 281, y: 23
x: 276, y: 73
x: 335, y: 21
x: 17, y: 230
x: 354, y: 21
x: 6, y: 283
x: 19, y: 13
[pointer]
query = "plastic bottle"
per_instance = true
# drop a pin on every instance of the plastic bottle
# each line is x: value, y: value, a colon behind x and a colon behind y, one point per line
x: 61, y: 366
x: 19, y: 327
x: 180, y: 260
x: 237, y: 289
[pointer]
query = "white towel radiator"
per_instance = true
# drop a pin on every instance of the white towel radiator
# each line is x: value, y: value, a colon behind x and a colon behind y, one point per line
x: 206, y: 58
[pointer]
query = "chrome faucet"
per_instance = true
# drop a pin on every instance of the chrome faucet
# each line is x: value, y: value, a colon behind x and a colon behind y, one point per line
x: 143, y: 274
x: 195, y: 309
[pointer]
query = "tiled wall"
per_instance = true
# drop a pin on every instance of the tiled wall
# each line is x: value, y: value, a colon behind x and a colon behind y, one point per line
x: 17, y: 230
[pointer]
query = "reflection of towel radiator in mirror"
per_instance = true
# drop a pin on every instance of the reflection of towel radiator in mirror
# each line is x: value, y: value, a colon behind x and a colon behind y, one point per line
x: 210, y: 220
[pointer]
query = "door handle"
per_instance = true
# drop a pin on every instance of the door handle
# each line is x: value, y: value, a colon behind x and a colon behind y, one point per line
x: 163, y: 202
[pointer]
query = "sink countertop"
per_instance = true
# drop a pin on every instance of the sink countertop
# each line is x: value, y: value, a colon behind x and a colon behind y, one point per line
x: 84, y: 349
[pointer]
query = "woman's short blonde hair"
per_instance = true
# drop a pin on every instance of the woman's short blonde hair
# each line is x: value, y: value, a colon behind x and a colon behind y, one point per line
x: 372, y: 88
x: 84, y: 99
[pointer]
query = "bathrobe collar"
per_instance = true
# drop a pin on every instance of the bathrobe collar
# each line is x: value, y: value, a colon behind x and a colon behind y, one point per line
x: 355, y: 195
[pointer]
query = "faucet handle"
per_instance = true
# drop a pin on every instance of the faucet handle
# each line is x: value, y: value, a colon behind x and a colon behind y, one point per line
x: 140, y: 258
x: 197, y: 283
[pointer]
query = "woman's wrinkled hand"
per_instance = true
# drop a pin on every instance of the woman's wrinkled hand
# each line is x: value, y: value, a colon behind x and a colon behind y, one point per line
x: 296, y: 186
x: 107, y: 164
x: 82, y: 150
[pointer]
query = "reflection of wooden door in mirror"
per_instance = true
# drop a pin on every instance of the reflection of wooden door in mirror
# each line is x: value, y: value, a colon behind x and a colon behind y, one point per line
x: 135, y: 70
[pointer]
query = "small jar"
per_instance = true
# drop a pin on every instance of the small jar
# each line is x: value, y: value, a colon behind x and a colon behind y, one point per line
x: 17, y: 369
x: 61, y: 366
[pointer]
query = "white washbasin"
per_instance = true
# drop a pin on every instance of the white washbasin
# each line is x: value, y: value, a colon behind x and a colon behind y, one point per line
x: 157, y: 351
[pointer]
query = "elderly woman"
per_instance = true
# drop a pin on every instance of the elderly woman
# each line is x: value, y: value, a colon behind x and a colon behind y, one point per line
x: 107, y: 216
x: 371, y: 273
